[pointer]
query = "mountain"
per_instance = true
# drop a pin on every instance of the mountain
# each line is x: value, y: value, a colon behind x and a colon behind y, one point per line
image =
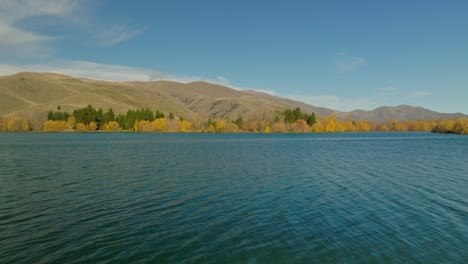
x: 400, y: 113
x: 29, y: 94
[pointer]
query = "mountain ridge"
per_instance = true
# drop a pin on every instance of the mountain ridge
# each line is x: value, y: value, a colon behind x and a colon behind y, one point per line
x: 28, y: 94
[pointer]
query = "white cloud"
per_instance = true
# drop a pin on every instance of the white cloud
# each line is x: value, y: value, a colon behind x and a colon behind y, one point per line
x: 343, y: 63
x: 97, y: 71
x: 27, y: 43
x: 222, y: 80
x: 117, y: 73
x: 21, y: 41
x: 12, y: 37
x: 14, y: 10
x: 270, y: 92
x: 117, y: 33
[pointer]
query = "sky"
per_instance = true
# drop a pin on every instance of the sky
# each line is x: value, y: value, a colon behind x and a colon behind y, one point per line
x: 343, y: 55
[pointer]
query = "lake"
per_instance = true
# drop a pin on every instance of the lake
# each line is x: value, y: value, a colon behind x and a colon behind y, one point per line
x: 233, y: 198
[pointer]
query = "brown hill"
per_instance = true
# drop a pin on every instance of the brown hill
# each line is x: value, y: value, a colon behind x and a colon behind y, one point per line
x: 31, y: 95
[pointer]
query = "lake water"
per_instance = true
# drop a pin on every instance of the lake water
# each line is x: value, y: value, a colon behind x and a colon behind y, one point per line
x: 239, y: 198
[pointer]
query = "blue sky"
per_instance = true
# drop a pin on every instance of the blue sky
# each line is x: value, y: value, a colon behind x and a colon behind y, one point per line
x: 340, y: 54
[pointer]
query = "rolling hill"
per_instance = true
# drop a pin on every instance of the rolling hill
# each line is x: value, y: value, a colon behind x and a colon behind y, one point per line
x: 30, y: 94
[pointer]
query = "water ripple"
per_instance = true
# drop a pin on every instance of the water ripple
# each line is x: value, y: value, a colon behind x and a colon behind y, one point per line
x: 139, y: 198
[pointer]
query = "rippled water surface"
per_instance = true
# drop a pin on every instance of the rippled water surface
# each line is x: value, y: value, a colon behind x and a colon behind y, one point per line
x: 189, y: 198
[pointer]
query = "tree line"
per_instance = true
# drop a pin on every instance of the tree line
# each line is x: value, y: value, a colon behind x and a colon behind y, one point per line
x: 88, y: 119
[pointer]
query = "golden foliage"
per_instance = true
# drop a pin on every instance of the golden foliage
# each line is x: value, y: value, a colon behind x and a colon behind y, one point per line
x: 210, y: 129
x: 363, y: 126
x: 71, y: 121
x: 318, y: 127
x: 300, y: 126
x: 269, y: 123
x: 459, y: 126
x: 82, y: 127
x: 232, y: 128
x: 184, y: 126
x: 112, y: 126
x: 17, y: 125
x: 220, y: 125
x: 279, y: 127
x: 92, y: 126
x: 159, y: 125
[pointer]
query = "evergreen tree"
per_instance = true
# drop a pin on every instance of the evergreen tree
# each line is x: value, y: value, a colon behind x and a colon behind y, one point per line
x: 311, y: 120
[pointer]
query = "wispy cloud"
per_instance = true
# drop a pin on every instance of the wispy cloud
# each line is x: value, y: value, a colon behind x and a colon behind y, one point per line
x: 98, y: 71
x: 23, y: 42
x: 222, y: 80
x: 117, y: 34
x: 28, y: 43
x: 270, y: 92
x: 343, y: 63
x: 117, y: 73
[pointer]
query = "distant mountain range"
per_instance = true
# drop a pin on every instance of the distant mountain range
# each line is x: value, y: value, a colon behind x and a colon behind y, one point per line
x: 27, y: 94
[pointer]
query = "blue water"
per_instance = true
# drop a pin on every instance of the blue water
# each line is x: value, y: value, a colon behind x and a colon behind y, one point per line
x: 241, y: 198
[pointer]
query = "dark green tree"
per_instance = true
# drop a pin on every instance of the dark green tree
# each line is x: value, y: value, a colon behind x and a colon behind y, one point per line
x: 239, y: 122
x: 108, y: 116
x: 311, y: 120
x: 159, y: 114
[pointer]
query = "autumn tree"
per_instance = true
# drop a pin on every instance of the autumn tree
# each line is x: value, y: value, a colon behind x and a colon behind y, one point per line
x: 92, y: 126
x: 363, y: 126
x: 160, y: 125
x: 318, y: 127
x: 279, y: 127
x: 82, y: 127
x: 300, y: 126
x: 184, y: 126
x: 18, y: 125
x: 112, y: 126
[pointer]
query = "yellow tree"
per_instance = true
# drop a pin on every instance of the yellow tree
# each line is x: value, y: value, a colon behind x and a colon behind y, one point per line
x: 363, y: 126
x: 210, y: 129
x: 318, y: 127
x: 231, y: 128
x: 71, y: 122
x: 279, y: 127
x: 144, y: 126
x: 330, y: 124
x: 25, y: 125
x: 112, y: 126
x: 398, y: 126
x: 160, y: 125
x: 82, y: 127
x: 220, y: 125
x: 92, y: 126
x: 17, y: 125
x: 300, y: 126
x: 349, y: 126
x: 461, y: 126
x: 136, y: 125
x: 184, y: 126
x: 51, y: 126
